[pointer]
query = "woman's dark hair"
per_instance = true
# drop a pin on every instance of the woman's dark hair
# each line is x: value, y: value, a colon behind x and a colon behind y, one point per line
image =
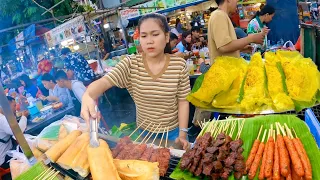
x: 48, y: 77
x: 173, y: 36
x: 65, y: 51
x: 177, y: 21
x: 184, y: 42
x: 61, y: 75
x: 25, y: 78
x: 162, y: 22
x: 267, y: 9
x: 211, y: 9
x: 219, y: 2
x: 195, y: 29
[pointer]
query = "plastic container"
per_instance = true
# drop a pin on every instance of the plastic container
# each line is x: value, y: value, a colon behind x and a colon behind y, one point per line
x: 33, y: 110
x: 313, y: 125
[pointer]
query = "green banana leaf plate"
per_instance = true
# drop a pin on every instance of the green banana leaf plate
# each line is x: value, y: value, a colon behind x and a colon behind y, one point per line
x: 249, y: 134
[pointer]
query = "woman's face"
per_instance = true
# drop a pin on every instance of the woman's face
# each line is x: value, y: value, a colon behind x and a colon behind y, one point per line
x: 22, y: 83
x: 153, y: 40
x: 268, y: 17
x: 173, y: 43
x: 47, y: 84
x: 188, y: 38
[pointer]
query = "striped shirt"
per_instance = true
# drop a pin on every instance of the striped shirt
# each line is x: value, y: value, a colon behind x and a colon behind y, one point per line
x: 156, y: 96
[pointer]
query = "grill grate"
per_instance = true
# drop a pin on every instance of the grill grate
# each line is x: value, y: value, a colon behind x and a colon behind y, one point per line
x: 174, y: 161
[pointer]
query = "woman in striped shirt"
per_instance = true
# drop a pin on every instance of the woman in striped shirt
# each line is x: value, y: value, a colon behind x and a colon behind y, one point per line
x: 157, y: 82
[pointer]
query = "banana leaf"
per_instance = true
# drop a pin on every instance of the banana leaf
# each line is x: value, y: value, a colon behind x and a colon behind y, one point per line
x: 197, y: 83
x: 283, y: 77
x: 250, y: 132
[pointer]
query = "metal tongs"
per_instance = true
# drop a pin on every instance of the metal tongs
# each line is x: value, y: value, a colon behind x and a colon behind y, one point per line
x: 94, y: 141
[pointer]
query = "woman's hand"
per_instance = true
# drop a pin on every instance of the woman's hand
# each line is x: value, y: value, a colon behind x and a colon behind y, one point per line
x: 247, y: 49
x: 88, y: 107
x: 42, y: 97
x: 52, y: 98
x: 182, y: 140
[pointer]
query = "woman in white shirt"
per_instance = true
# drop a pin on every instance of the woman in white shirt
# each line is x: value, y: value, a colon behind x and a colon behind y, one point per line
x: 6, y: 132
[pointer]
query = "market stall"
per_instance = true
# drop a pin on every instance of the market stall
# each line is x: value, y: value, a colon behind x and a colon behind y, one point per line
x: 228, y: 148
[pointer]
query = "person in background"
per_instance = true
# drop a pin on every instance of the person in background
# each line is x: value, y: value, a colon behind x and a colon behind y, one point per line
x: 179, y: 26
x: 104, y: 52
x: 44, y: 65
x: 29, y: 87
x: 185, y: 43
x: 222, y: 37
x: 239, y: 31
x: 173, y: 42
x: 259, y: 20
x: 158, y: 83
x: 195, y: 34
x: 56, y: 93
x: 6, y: 142
x: 257, y: 23
x: 75, y: 87
x: 77, y: 66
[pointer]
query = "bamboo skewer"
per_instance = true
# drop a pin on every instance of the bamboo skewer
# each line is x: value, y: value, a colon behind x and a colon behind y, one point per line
x: 239, y: 132
x: 152, y: 133
x: 166, y: 145
x: 282, y: 130
x: 295, y: 134
x: 142, y: 132
x: 136, y: 129
x: 232, y: 129
x: 288, y: 130
x: 49, y: 174
x: 42, y: 173
x: 216, y: 124
x: 155, y: 137
x: 264, y: 135
x: 54, y: 175
x: 219, y: 129
x: 147, y: 134
x: 226, y: 127
x: 162, y: 138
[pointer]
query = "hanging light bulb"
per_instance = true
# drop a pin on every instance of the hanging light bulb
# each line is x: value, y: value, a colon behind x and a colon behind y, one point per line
x: 106, y: 26
x: 76, y: 47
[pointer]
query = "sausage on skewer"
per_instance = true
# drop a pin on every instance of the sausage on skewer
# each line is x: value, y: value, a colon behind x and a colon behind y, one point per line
x: 276, y: 165
x: 303, y: 156
x: 253, y: 151
x: 257, y: 158
x: 263, y: 164
x: 295, y: 159
x: 283, y: 154
x: 269, y: 162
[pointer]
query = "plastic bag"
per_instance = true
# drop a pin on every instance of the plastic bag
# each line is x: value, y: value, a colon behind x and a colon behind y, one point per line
x: 56, y: 131
x: 18, y: 164
x: 289, y: 46
x: 219, y: 78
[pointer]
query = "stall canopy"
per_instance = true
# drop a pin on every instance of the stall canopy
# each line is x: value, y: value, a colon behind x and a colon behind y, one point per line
x: 30, y: 35
x: 285, y: 23
x: 165, y: 6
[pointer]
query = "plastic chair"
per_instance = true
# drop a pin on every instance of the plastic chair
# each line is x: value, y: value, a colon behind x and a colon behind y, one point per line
x: 3, y: 172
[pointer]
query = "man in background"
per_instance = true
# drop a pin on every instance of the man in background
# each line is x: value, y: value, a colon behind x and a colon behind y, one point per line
x: 75, y: 87
x: 77, y: 66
